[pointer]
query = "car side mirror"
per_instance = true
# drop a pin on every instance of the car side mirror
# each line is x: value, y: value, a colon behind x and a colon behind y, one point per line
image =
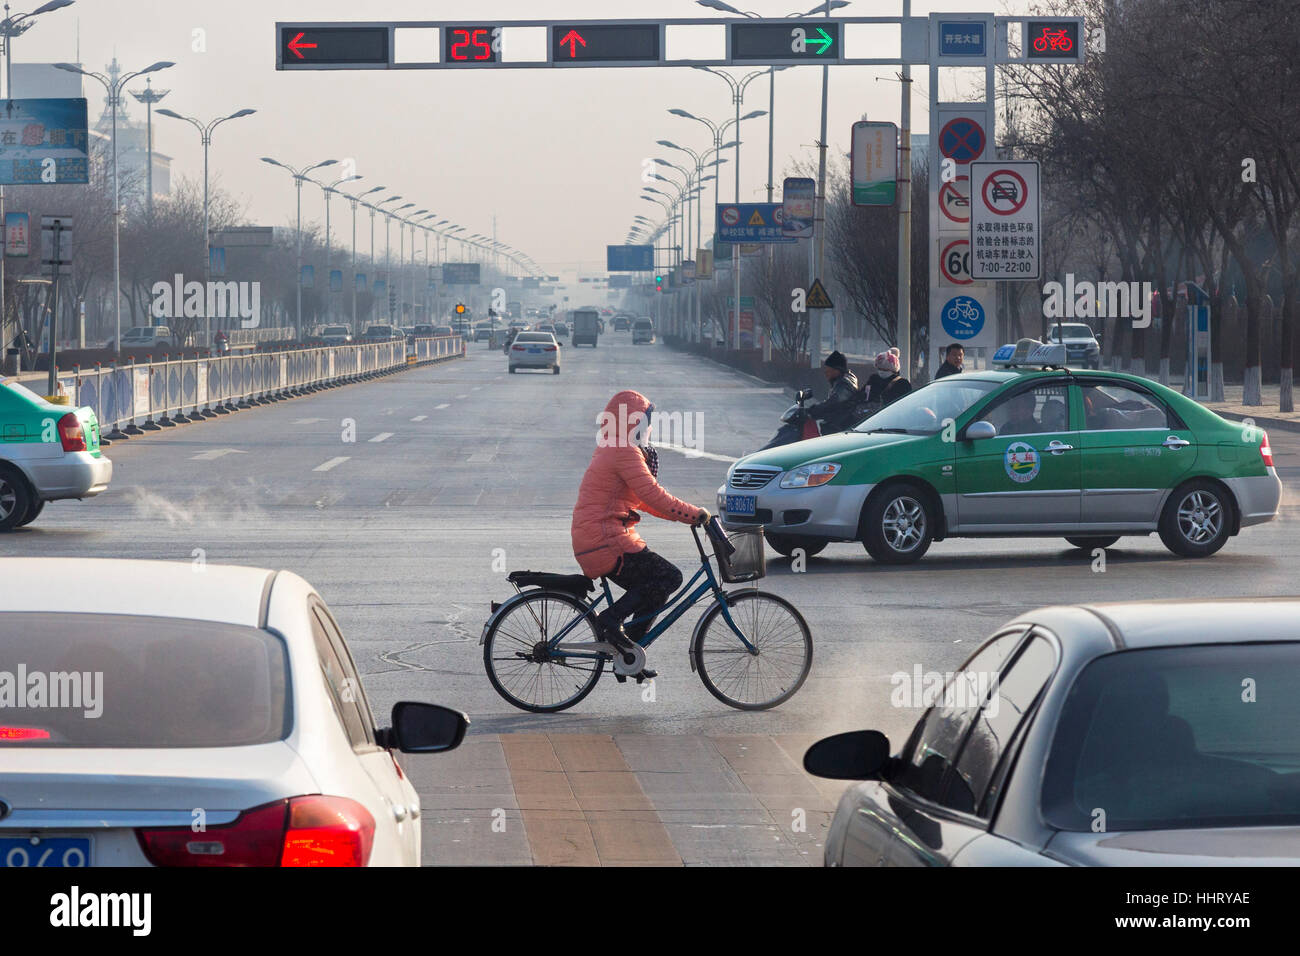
x: 977, y: 431
x: 420, y: 728
x: 856, y: 755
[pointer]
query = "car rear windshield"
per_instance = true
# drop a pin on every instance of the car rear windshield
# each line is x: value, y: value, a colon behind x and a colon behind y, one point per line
x: 923, y: 411
x: 536, y: 337
x: 336, y: 330
x: 121, y: 681
x: 1179, y: 737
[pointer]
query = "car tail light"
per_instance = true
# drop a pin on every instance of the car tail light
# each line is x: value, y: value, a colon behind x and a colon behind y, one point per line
x: 70, y: 433
x: 549, y: 348
x: 1266, y: 451
x: 517, y: 348
x: 23, y: 733
x: 302, y: 831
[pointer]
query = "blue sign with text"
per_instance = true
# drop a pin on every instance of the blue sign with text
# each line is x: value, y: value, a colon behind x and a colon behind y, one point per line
x: 961, y: 38
x: 629, y: 258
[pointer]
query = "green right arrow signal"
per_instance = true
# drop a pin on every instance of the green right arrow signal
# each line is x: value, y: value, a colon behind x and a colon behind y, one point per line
x: 826, y: 41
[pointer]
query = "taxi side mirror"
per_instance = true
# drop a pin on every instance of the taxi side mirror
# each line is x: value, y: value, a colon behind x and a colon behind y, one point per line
x: 979, y: 430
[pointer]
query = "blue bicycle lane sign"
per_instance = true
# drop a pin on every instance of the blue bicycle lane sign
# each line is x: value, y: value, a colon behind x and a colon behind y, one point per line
x: 963, y: 317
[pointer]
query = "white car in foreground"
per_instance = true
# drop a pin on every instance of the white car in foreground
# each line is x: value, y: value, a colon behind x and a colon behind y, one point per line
x: 534, y: 350
x: 211, y: 718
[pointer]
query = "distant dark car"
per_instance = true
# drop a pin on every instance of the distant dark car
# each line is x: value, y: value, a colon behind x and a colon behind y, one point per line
x: 382, y: 333
x: 443, y: 330
x: 622, y: 323
x: 423, y: 331
x: 561, y: 328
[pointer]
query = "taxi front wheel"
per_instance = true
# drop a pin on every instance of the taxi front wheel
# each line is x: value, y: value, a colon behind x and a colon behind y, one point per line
x: 15, y: 500
x: 899, y: 525
x: 1197, y: 519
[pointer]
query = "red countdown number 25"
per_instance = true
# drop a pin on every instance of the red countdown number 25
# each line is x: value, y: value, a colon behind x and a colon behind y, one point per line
x: 478, y: 39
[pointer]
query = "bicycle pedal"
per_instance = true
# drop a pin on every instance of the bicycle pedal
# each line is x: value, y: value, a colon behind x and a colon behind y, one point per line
x: 646, y: 674
x: 622, y: 678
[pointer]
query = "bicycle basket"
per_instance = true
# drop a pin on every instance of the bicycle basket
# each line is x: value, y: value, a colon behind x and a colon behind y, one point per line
x: 749, y: 560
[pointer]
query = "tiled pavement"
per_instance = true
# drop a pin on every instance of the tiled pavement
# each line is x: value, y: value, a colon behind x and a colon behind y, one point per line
x: 625, y: 800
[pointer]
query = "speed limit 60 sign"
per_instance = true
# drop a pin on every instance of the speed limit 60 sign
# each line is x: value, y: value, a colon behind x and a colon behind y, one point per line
x: 1005, y: 240
x: 954, y: 262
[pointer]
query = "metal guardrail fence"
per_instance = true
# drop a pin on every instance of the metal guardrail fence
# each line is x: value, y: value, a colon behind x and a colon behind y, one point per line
x: 134, y: 399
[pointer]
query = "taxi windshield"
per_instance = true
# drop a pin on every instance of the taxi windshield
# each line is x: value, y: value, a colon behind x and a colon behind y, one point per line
x: 923, y: 411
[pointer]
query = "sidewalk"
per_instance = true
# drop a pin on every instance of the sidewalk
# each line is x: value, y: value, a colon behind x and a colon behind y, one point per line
x: 1265, y: 415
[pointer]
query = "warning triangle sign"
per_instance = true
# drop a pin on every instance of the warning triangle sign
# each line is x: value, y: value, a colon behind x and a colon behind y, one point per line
x: 757, y: 219
x: 817, y: 297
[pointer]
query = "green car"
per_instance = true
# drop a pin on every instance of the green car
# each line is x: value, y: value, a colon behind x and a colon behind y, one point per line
x: 47, y: 452
x: 1086, y: 455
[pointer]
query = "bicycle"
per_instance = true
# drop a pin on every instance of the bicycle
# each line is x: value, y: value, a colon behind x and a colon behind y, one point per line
x: 752, y: 649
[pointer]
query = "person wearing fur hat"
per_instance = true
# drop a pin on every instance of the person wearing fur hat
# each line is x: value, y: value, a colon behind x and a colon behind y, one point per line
x: 886, y: 385
x: 839, y: 411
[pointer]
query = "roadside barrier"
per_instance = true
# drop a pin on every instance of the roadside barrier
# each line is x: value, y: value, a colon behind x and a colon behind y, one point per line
x: 136, y: 399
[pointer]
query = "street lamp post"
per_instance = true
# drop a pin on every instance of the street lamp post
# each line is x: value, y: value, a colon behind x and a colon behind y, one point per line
x: 326, y: 193
x: 355, y: 200
x: 113, y: 87
x: 298, y: 177
x: 205, y: 136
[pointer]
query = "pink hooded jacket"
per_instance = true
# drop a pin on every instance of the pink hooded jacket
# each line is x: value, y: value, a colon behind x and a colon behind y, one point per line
x: 617, y: 483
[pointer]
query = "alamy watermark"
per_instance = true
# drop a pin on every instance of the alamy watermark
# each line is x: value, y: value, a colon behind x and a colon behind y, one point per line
x: 1100, y: 300
x: 922, y: 689
x: 217, y: 300
x: 57, y: 690
x: 623, y: 428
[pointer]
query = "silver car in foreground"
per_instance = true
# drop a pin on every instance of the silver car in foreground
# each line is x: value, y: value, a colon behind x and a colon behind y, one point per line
x: 534, y: 350
x: 1143, y: 734
x: 167, y: 714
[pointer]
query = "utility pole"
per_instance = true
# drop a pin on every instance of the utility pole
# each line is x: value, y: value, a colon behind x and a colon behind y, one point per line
x: 905, y: 219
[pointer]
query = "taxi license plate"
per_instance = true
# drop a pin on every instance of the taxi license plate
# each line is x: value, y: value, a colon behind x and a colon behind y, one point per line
x: 741, y: 504
x: 535, y: 351
x: 49, y: 852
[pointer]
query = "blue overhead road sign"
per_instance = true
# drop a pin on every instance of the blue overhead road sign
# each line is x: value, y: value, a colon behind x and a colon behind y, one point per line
x: 629, y: 258
x: 751, y: 222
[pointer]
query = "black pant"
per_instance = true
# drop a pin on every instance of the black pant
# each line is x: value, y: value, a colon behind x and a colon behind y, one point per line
x: 649, y: 581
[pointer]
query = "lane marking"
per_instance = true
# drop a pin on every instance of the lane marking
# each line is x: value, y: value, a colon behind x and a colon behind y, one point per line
x: 466, y: 395
x: 481, y: 457
x: 382, y: 436
x: 438, y: 408
x: 332, y: 463
x: 216, y: 453
x: 419, y: 418
x: 476, y: 388
x: 306, y: 421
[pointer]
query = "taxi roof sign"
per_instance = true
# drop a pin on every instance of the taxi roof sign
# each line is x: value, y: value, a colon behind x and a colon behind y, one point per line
x: 1029, y: 352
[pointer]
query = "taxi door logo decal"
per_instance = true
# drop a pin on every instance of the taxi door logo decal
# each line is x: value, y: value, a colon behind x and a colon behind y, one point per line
x: 1022, y: 462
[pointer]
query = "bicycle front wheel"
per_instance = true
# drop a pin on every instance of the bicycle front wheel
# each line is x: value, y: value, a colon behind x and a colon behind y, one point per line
x: 741, y: 678
x: 520, y: 666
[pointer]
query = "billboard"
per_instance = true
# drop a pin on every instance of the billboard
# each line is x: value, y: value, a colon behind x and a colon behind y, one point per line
x: 44, y: 141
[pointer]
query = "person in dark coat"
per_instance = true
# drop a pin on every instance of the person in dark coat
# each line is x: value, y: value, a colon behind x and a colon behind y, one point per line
x: 839, y: 411
x: 886, y: 386
x: 954, y: 358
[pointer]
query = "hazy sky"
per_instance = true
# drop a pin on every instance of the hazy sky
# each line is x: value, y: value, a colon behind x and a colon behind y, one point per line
x: 555, y: 155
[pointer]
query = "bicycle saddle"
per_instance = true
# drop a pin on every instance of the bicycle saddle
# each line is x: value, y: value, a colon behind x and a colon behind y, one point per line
x: 575, y: 584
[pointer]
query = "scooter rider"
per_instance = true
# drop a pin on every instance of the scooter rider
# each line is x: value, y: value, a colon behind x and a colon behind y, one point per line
x: 840, y: 410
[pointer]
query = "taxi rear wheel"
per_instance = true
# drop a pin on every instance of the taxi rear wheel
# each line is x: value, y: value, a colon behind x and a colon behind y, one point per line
x: 33, y: 511
x: 899, y: 525
x: 1197, y: 519
x: 15, y: 500
x: 786, y: 544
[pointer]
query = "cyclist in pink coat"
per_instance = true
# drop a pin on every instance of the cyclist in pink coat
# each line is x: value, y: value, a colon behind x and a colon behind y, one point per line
x: 621, y: 480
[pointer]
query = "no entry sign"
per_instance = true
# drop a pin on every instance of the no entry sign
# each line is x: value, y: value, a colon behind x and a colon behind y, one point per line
x: 1005, y: 225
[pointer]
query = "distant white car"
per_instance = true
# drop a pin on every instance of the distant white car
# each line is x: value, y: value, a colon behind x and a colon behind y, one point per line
x: 534, y: 350
x: 336, y: 335
x: 208, y: 719
x: 147, y: 337
x: 643, y: 330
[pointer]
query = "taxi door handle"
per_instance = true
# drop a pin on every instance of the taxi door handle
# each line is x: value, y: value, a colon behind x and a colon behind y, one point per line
x: 1173, y: 441
x: 1058, y: 448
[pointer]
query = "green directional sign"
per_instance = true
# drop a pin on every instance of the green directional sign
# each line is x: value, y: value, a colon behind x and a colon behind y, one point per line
x: 785, y: 41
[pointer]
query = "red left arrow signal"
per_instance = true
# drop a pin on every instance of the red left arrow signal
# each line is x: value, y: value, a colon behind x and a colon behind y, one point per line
x: 573, y: 38
x: 294, y: 45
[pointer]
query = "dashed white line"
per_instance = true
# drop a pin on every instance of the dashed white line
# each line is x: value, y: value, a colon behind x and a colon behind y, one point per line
x: 438, y: 408
x: 332, y: 463
x: 466, y: 395
x: 420, y: 418
x: 382, y: 436
x: 306, y: 421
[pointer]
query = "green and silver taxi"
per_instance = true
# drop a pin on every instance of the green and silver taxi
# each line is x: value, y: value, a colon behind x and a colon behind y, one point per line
x: 1027, y: 449
x: 47, y: 452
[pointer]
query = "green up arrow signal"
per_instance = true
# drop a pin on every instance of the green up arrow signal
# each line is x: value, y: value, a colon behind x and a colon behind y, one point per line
x: 826, y: 41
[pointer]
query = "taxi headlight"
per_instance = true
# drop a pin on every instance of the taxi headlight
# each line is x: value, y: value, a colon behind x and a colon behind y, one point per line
x: 810, y: 476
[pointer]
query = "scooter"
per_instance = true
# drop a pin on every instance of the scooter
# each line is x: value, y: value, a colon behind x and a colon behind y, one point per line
x: 797, y: 423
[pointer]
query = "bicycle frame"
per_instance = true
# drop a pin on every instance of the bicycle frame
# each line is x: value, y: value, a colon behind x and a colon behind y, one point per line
x: 684, y: 602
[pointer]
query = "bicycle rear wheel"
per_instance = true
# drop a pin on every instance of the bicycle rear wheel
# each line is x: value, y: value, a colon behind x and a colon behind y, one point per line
x: 520, y: 667
x: 740, y: 678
